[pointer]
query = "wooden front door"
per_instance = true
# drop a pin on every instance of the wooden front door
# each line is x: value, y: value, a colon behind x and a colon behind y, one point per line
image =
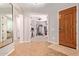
x: 67, y: 27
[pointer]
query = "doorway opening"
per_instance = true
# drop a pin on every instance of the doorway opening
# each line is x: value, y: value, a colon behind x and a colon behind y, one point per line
x: 39, y: 27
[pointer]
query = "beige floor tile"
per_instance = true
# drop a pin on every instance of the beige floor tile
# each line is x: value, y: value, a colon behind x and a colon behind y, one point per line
x: 35, y: 48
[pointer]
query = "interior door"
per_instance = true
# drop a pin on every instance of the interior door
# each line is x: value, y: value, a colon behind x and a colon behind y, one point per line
x: 67, y: 27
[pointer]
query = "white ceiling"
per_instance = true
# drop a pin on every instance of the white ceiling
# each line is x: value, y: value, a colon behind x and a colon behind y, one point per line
x: 30, y: 6
x: 5, y: 5
x: 45, y: 8
x: 5, y: 8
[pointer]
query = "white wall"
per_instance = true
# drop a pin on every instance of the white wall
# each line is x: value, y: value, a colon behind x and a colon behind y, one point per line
x: 26, y: 28
x: 17, y: 31
x: 19, y: 27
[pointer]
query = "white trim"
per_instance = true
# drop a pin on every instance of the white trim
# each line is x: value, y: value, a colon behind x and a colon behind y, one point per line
x: 10, y: 52
x: 53, y: 42
x: 21, y: 41
x: 77, y: 41
x: 27, y: 41
x: 24, y: 41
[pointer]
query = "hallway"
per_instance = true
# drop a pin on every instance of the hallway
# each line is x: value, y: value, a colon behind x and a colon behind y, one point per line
x: 28, y: 29
x: 35, y: 48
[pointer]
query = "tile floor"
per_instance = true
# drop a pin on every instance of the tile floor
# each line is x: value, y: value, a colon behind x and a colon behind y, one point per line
x: 35, y: 48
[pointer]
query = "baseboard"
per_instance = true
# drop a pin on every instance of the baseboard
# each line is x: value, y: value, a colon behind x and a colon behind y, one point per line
x: 27, y: 41
x: 10, y: 52
x: 53, y: 42
x: 21, y: 41
x: 24, y: 41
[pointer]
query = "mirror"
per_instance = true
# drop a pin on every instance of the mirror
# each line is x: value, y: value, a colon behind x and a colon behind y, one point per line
x: 6, y: 30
